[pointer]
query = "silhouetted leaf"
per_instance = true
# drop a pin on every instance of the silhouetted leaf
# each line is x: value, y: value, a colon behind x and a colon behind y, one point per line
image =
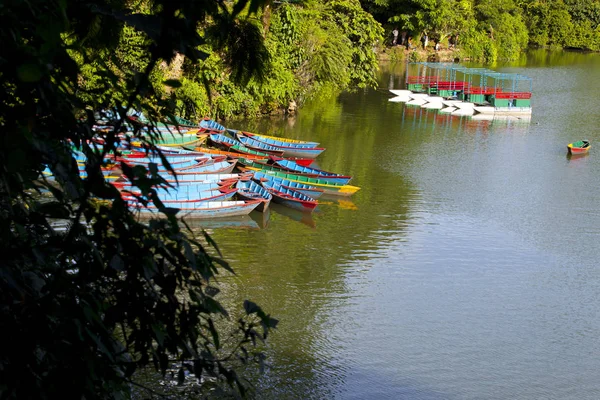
x: 29, y: 72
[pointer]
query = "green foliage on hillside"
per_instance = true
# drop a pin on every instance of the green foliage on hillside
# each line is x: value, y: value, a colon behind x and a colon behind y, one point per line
x: 495, y: 30
x: 308, y: 49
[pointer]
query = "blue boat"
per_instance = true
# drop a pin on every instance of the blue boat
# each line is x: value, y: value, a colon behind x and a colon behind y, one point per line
x: 191, y: 179
x: 203, y: 209
x: 180, y: 194
x: 276, y: 141
x: 213, y: 127
x: 250, y: 190
x: 294, y: 167
x: 225, y: 142
x: 199, y: 187
x: 311, y: 191
x: 326, y: 177
x: 309, y: 152
x: 221, y: 167
x: 289, y: 198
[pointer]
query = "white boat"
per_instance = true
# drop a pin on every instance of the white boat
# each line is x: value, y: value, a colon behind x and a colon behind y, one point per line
x: 448, y: 110
x: 434, y: 105
x: 418, y: 95
x: 485, y: 109
x: 399, y: 99
x: 464, y: 111
x: 463, y: 104
x: 503, y: 110
x: 399, y: 92
x: 416, y: 102
x: 450, y: 103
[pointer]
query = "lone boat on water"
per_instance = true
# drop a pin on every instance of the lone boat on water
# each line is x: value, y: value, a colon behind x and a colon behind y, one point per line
x: 579, y: 147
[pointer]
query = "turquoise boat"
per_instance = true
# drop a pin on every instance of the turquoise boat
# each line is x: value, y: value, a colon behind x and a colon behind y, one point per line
x: 331, y: 179
x: 202, y: 209
x: 311, y: 191
x: 250, y: 190
x: 284, y: 151
x: 289, y: 197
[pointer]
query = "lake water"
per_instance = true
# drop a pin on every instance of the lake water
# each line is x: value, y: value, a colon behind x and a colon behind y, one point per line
x: 467, y: 266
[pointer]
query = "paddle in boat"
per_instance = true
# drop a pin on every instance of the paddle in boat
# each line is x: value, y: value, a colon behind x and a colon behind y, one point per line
x: 579, y: 147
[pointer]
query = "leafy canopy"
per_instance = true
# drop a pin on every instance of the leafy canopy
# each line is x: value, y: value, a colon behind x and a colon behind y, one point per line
x: 90, y: 293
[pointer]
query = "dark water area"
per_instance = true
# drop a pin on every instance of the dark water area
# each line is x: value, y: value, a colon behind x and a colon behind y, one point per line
x: 466, y: 267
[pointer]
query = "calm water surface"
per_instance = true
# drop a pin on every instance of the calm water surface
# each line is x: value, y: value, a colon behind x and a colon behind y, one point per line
x: 465, y: 268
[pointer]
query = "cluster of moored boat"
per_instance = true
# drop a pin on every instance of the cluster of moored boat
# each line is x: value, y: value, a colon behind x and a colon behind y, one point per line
x: 453, y: 106
x: 220, y: 172
x: 454, y: 89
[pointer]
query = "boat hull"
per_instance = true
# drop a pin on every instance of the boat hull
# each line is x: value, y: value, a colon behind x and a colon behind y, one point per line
x: 581, y: 147
x: 205, y: 209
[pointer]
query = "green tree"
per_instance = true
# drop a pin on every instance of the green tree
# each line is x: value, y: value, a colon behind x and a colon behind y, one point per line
x: 90, y: 293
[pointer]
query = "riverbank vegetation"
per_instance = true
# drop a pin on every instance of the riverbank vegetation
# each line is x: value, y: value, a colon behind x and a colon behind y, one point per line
x: 489, y: 31
x: 311, y: 48
x: 303, y: 49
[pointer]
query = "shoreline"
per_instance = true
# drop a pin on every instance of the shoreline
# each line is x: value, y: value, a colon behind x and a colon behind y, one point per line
x: 390, y: 53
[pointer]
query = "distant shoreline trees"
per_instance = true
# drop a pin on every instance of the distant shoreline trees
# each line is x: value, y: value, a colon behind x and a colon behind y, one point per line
x: 498, y: 30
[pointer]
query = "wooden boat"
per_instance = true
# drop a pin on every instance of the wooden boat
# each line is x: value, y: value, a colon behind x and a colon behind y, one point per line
x: 195, y: 179
x: 182, y: 194
x: 260, y: 136
x: 176, y: 163
x: 199, y: 187
x: 221, y: 167
x: 250, y: 190
x: 203, y: 209
x: 296, y: 168
x: 225, y: 142
x: 289, y: 198
x: 579, y: 147
x: 235, y: 150
x: 213, y: 126
x: 342, y: 180
x: 259, y: 158
x: 331, y: 189
x: 311, y: 191
x: 275, y: 141
x: 283, y: 151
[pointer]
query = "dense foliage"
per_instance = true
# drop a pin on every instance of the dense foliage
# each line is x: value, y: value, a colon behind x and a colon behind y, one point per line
x: 313, y: 47
x: 89, y: 293
x: 490, y: 30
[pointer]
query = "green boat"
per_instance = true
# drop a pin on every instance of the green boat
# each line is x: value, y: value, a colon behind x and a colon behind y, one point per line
x: 328, y: 188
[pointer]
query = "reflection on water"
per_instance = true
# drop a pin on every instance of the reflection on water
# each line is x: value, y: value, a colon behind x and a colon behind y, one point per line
x: 464, y: 268
x: 305, y: 218
x: 239, y: 222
